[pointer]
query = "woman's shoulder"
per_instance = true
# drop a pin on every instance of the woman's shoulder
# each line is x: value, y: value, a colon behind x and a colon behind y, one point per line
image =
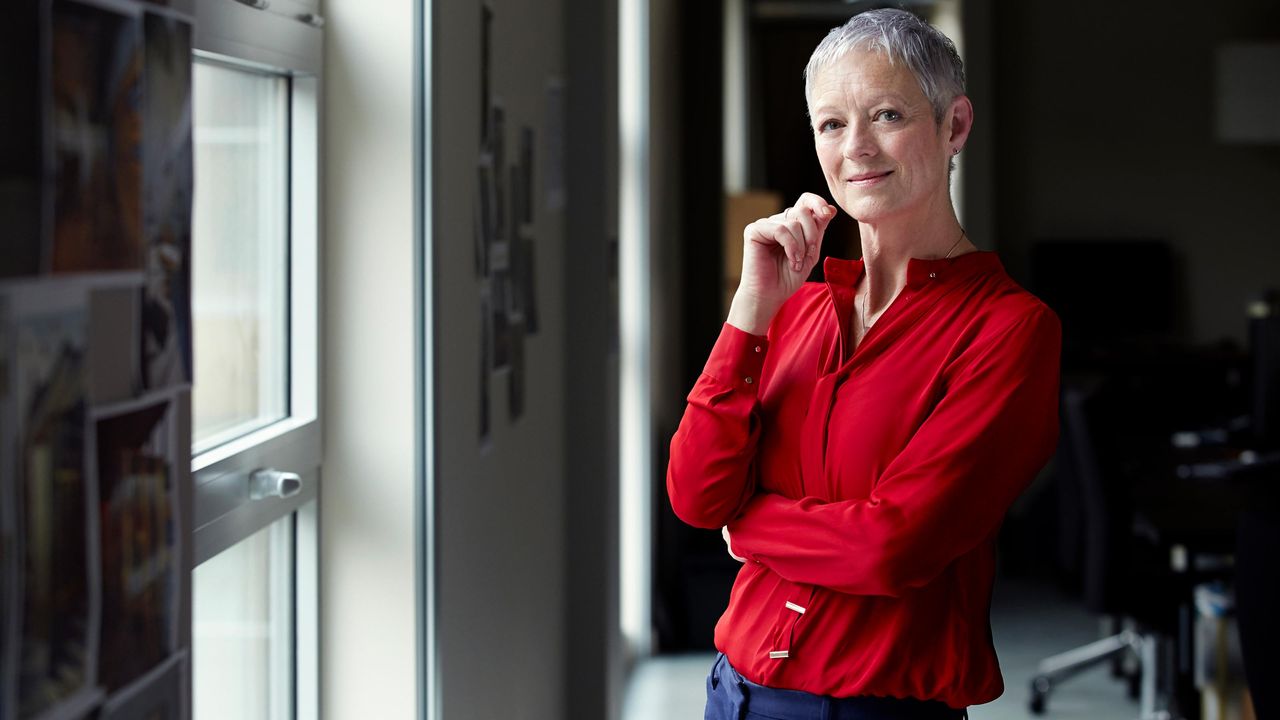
x: 1008, y: 305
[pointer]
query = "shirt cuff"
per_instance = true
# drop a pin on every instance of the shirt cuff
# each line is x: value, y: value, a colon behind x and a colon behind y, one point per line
x: 737, y: 358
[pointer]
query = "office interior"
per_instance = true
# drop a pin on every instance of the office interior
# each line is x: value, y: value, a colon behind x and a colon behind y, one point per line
x: 501, y: 230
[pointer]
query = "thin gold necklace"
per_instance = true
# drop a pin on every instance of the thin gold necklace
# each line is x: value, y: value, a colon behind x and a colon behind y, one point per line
x: 866, y: 296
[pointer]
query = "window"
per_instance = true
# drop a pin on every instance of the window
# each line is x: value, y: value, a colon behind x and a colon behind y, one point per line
x: 240, y: 220
x: 255, y: 416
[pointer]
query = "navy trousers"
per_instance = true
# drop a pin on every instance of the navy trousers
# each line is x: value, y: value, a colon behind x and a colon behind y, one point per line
x: 732, y: 697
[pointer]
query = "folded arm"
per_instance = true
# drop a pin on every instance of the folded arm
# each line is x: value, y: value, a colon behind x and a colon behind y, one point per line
x: 992, y: 431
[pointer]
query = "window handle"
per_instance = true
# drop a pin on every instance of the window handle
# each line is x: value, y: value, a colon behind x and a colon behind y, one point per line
x: 270, y: 483
x: 259, y: 4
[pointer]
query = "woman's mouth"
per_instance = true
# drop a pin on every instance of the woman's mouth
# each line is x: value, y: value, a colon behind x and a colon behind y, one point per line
x: 870, y: 178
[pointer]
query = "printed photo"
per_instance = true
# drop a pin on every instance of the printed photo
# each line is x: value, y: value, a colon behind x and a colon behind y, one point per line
x: 155, y: 696
x: 168, y: 185
x: 500, y: 324
x: 484, y: 221
x: 8, y: 531
x: 528, y: 282
x: 137, y: 507
x: 486, y: 344
x: 21, y: 163
x: 486, y: 45
x: 96, y: 120
x: 515, y: 186
x: 113, y: 344
x: 515, y: 381
x: 56, y: 655
x: 526, y: 174
x: 497, y: 148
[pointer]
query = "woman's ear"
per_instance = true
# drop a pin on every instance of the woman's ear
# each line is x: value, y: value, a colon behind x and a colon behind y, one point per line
x: 959, y: 121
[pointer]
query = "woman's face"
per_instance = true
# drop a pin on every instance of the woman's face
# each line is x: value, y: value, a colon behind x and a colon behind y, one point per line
x: 881, y: 150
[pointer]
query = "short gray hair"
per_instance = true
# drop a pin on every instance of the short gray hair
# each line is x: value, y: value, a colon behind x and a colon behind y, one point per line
x: 928, y: 54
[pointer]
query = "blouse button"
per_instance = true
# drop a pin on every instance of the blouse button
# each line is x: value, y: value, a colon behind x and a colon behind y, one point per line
x: 933, y: 275
x: 748, y: 380
x: 757, y: 348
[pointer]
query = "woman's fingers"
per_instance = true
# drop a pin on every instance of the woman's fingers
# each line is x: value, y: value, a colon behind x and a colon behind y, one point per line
x: 797, y: 231
x: 811, y: 233
x: 781, y: 233
x: 823, y: 212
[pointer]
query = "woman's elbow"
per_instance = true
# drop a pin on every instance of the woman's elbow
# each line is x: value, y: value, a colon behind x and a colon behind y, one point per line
x: 699, y: 511
x: 698, y: 505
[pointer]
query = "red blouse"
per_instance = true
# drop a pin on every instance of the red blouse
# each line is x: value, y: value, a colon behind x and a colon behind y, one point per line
x: 866, y: 489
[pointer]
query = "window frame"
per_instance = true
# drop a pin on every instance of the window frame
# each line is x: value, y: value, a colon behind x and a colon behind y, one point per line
x: 283, y: 39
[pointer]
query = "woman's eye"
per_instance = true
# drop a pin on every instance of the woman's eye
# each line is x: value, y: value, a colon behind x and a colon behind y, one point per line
x: 889, y: 115
x: 828, y: 125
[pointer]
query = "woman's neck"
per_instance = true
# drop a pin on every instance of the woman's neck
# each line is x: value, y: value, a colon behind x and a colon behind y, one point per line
x: 888, y: 246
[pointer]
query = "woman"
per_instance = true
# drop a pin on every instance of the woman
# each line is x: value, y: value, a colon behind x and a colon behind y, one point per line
x: 861, y: 439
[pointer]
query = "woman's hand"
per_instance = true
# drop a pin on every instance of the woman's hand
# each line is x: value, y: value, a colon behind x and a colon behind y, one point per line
x: 777, y: 255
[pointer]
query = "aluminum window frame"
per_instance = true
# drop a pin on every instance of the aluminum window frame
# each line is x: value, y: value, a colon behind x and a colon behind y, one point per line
x: 283, y: 39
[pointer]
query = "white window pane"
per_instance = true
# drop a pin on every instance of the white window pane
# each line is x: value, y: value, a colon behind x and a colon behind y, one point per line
x: 242, y: 640
x: 240, y: 252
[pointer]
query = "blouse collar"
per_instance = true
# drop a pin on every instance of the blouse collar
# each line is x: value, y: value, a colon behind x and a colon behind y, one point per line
x: 920, y: 272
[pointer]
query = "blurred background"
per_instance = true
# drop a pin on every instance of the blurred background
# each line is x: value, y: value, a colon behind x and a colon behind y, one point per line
x: 435, y: 278
x: 1124, y: 166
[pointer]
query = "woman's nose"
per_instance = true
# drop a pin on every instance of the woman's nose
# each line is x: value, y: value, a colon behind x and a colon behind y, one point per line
x: 859, y: 141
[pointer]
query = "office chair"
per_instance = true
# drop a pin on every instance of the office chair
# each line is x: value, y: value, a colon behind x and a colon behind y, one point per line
x: 1123, y: 575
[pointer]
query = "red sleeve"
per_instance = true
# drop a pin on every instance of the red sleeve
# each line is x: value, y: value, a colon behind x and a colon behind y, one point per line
x: 712, y: 450
x: 993, y: 430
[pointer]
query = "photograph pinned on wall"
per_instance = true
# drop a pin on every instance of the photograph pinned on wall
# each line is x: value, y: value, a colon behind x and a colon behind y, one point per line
x: 500, y: 324
x: 486, y: 81
x: 155, y: 696
x: 96, y: 132
x: 526, y: 174
x: 164, y: 362
x: 134, y: 456
x: 528, y: 279
x: 21, y: 144
x: 516, y: 380
x: 515, y: 186
x: 486, y: 345
x: 497, y: 149
x: 8, y: 523
x: 58, y: 604
x: 553, y: 175
x: 114, y: 369
x: 515, y: 248
x: 168, y: 179
x: 484, y: 219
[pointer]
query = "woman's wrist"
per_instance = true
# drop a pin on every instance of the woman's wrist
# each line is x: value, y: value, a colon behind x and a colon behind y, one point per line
x: 749, y: 315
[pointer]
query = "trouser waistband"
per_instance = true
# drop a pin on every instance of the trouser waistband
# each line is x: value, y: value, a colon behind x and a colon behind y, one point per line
x: 798, y: 705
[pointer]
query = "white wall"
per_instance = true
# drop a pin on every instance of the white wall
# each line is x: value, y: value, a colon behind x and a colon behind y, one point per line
x: 368, y: 643
x: 526, y: 553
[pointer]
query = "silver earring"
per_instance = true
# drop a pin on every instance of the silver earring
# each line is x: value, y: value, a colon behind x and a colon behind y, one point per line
x: 955, y: 151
